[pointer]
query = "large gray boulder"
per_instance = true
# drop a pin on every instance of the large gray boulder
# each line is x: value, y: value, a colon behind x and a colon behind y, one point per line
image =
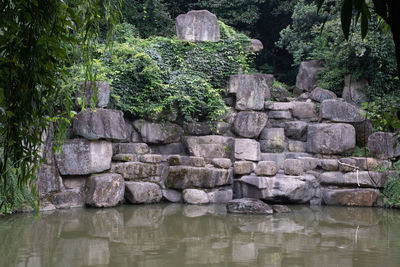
x: 339, y: 111
x: 256, y: 45
x: 198, y: 26
x: 296, y: 130
x: 383, y: 145
x: 49, y: 180
x: 325, y: 138
x: 142, y: 192
x: 251, y: 90
x: 248, y: 206
x: 210, y: 146
x: 304, y: 111
x: 195, y: 196
x: 306, y: 79
x: 247, y: 149
x: 352, y: 90
x: 350, y: 197
x: 280, y: 188
x: 104, y: 190
x: 360, y: 179
x: 158, y: 133
x: 67, y: 200
x: 182, y: 177
x: 220, y: 195
x: 137, y: 170
x: 249, y: 124
x: 81, y: 157
x: 273, y: 140
x: 98, y: 95
x: 100, y: 124
x: 319, y: 94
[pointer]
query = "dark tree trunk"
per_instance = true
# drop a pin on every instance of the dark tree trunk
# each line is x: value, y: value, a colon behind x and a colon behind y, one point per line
x: 394, y: 8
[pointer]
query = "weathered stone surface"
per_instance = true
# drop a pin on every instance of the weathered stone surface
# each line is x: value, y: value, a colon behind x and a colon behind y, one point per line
x: 172, y: 195
x: 130, y: 148
x: 104, y: 190
x: 283, y: 106
x: 248, y: 206
x: 80, y: 157
x: 304, y: 110
x: 182, y: 177
x: 338, y: 138
x: 74, y: 182
x: 280, y: 115
x: 293, y: 167
x: 309, y: 163
x: 296, y: 155
x: 296, y: 146
x: 198, y: 26
x: 49, y: 180
x: 347, y: 164
x: 132, y: 136
x: 329, y: 164
x: 282, y: 188
x: 319, y: 94
x: 256, y: 45
x: 100, y: 124
x: 243, y: 167
x: 142, y: 192
x: 250, y: 123
x: 150, y: 158
x: 45, y: 206
x: 158, y: 133
x: 371, y: 163
x: 281, y: 209
x: 69, y: 199
x: 296, y: 130
x: 169, y: 149
x: 383, y: 145
x: 339, y: 111
x: 266, y: 168
x: 278, y: 158
x: 175, y: 160
x: 101, y: 98
x: 363, y: 131
x: 210, y: 146
x: 306, y: 79
x: 247, y: 149
x: 272, y: 140
x: 251, y: 90
x: 352, y: 90
x: 350, y: 197
x: 363, y: 179
x: 137, y: 170
x: 125, y: 157
x: 220, y: 195
x: 195, y: 196
x: 198, y: 128
x: 222, y: 163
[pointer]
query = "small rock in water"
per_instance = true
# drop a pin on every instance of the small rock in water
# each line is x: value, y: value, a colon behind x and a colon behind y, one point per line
x: 248, y: 206
x: 281, y: 209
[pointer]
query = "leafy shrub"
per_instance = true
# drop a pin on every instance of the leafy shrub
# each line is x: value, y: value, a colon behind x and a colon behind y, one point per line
x: 391, y: 190
x: 383, y: 112
x: 156, y: 76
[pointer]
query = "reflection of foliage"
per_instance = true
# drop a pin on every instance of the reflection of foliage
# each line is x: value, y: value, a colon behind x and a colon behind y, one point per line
x: 154, y: 77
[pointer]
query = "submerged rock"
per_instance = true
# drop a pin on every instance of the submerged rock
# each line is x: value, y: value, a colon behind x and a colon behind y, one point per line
x: 248, y: 206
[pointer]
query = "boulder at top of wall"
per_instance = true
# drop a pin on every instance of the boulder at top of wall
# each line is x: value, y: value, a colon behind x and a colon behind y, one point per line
x: 251, y: 90
x: 256, y: 45
x: 158, y: 133
x: 247, y: 149
x: 319, y: 94
x: 352, y: 90
x: 198, y: 26
x: 339, y: 111
x: 306, y: 79
x: 105, y: 190
x: 335, y: 138
x: 210, y: 146
x: 383, y: 145
x: 81, y: 157
x: 250, y: 123
x: 100, y: 124
x: 102, y: 96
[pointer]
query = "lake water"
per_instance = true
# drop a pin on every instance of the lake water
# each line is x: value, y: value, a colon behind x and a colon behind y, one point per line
x: 183, y: 235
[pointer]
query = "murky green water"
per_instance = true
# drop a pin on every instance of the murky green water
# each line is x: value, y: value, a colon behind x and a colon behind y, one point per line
x: 179, y: 235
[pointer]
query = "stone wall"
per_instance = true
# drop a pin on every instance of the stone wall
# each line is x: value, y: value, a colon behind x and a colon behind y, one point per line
x: 295, y: 151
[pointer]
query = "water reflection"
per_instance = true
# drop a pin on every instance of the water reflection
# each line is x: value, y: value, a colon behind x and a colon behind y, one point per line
x: 176, y: 235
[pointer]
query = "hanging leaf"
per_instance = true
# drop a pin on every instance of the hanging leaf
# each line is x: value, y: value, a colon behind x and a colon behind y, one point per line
x: 346, y: 15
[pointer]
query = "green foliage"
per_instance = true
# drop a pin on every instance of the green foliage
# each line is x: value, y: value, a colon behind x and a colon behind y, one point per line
x: 391, y: 190
x: 382, y: 112
x: 155, y: 77
x: 38, y: 42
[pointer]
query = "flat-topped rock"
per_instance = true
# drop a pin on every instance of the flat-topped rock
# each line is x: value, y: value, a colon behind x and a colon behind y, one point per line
x: 158, y: 133
x: 104, y: 190
x: 278, y: 106
x: 362, y: 179
x: 304, y: 110
x: 319, y: 94
x: 247, y: 149
x: 222, y: 163
x: 182, y: 177
x: 130, y: 148
x: 198, y: 26
x: 249, y: 124
x: 306, y: 79
x: 137, y: 170
x: 81, y: 157
x: 266, y: 168
x: 142, y: 192
x: 68, y: 199
x: 296, y: 130
x: 350, y: 197
x: 339, y: 111
x: 195, y: 196
x: 100, y: 124
x: 383, y: 145
x: 176, y: 160
x: 210, y: 146
x: 251, y: 90
x: 293, y: 167
x: 243, y: 167
x: 248, y: 206
x: 220, y: 195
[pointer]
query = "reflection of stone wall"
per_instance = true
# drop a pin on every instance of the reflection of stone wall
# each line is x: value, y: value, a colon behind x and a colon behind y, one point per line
x: 294, y: 151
